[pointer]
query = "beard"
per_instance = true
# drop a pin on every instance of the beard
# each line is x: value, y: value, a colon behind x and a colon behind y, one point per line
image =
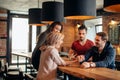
x: 97, y: 45
x: 82, y: 39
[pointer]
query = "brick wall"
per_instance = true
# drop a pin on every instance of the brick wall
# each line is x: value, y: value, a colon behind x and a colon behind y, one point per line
x: 70, y: 32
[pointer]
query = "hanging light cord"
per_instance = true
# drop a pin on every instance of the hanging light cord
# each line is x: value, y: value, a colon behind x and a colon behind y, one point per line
x: 38, y: 3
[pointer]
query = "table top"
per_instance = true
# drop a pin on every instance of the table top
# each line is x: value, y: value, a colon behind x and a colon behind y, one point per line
x: 95, y: 73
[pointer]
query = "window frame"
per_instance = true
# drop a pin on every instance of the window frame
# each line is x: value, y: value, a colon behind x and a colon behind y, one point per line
x: 9, y: 47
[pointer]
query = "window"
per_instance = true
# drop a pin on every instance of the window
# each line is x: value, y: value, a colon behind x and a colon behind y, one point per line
x: 22, y: 39
x: 20, y: 35
x: 20, y: 31
x: 34, y: 37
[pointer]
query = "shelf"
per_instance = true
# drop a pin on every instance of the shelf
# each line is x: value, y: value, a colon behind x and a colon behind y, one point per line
x: 2, y: 20
x: 3, y: 37
x: 2, y: 56
x: 114, y: 33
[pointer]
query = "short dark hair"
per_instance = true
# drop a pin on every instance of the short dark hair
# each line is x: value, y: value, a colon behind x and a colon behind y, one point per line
x: 103, y: 35
x: 82, y: 27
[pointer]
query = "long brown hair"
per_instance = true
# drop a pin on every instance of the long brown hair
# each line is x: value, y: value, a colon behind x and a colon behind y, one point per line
x: 51, y: 27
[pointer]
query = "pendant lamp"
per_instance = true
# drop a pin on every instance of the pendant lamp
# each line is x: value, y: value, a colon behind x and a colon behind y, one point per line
x: 112, y: 6
x: 35, y: 16
x: 52, y: 11
x: 79, y: 9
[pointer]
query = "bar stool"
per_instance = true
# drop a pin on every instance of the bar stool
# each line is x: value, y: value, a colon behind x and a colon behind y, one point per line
x: 12, y: 74
x: 29, y: 77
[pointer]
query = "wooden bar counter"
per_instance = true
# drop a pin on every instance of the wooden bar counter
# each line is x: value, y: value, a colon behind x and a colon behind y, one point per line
x: 93, y: 73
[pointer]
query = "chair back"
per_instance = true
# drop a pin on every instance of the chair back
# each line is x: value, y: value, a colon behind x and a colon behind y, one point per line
x: 2, y: 67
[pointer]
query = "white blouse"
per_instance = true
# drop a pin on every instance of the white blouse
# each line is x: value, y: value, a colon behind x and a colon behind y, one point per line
x: 49, y: 61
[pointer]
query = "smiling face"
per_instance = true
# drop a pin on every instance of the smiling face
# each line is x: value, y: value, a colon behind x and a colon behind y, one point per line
x: 101, y: 39
x: 99, y: 42
x: 57, y: 28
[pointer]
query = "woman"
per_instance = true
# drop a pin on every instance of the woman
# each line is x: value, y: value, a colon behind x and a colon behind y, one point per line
x: 50, y: 58
x: 54, y: 27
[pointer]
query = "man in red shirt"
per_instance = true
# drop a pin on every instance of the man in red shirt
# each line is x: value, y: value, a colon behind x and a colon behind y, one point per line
x: 81, y: 46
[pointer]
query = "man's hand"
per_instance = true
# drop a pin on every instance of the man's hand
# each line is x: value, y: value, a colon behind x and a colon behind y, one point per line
x: 85, y: 65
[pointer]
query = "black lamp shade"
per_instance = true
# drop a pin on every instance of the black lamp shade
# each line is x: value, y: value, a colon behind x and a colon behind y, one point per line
x: 79, y: 9
x: 112, y: 5
x: 35, y: 16
x: 52, y: 11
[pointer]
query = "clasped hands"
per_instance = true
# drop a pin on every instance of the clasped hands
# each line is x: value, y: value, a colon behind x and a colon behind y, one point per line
x: 79, y: 58
x: 83, y: 64
x: 74, y: 58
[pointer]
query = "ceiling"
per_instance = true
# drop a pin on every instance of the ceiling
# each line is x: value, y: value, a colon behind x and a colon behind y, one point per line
x: 24, y: 5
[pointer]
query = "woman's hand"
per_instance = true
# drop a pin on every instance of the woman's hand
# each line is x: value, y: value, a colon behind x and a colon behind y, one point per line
x: 70, y: 62
x: 80, y: 58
